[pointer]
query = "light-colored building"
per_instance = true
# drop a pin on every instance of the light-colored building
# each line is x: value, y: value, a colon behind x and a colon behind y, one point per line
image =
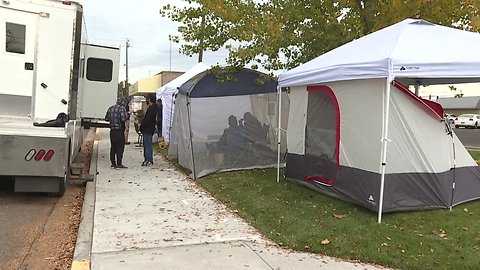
x: 461, y: 105
x: 151, y: 84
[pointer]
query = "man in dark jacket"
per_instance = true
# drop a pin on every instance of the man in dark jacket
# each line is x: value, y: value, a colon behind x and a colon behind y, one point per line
x: 117, y: 115
x: 147, y: 127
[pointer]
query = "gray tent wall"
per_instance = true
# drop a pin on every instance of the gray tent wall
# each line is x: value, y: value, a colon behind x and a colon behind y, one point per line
x: 226, y: 123
x: 334, y: 147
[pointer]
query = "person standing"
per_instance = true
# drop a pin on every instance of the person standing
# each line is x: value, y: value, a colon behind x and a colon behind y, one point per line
x: 117, y: 115
x: 147, y: 127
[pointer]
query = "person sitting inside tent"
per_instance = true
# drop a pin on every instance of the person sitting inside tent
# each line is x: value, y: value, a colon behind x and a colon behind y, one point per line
x: 254, y: 131
x: 232, y: 142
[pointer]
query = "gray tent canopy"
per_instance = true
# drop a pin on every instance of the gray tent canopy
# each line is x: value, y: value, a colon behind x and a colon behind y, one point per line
x: 226, y: 120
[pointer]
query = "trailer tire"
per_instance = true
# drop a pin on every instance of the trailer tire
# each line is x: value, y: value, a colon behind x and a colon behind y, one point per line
x: 62, y: 186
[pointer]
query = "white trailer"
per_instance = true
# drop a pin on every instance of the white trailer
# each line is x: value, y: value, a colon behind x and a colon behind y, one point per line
x: 46, y: 70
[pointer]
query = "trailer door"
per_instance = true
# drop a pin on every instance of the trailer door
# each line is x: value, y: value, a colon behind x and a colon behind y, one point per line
x: 98, y: 80
x: 18, y: 32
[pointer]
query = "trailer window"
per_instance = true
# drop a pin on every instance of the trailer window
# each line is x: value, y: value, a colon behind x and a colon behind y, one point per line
x: 15, y: 38
x: 99, y: 70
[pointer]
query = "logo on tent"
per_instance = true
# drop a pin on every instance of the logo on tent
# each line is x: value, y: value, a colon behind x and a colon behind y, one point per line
x: 371, y: 200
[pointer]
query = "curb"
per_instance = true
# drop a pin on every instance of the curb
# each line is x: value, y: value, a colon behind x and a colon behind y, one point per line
x: 83, y: 246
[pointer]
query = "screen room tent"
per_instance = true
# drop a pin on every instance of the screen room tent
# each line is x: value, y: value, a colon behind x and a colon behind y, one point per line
x: 225, y: 120
x: 357, y: 133
x: 167, y: 94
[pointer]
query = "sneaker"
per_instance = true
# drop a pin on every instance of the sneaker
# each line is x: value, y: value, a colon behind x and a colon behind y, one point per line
x: 127, y: 143
x: 144, y: 163
x: 148, y: 163
x: 122, y: 167
x: 113, y: 166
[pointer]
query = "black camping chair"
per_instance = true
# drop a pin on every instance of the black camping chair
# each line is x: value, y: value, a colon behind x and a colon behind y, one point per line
x: 139, y: 133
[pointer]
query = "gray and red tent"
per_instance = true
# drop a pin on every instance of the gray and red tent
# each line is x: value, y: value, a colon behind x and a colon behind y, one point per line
x: 356, y: 132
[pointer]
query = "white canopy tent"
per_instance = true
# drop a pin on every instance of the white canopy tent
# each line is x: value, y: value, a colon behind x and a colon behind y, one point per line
x: 167, y: 93
x: 412, y: 52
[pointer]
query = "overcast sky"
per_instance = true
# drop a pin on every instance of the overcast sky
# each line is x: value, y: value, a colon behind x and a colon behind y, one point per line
x: 111, y: 22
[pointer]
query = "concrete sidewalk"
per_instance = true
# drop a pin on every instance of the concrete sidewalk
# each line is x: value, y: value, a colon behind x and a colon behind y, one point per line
x: 156, y: 218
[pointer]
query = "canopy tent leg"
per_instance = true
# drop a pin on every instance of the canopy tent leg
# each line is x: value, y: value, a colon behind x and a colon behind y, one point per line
x: 385, y: 140
x: 454, y: 166
x: 279, y: 129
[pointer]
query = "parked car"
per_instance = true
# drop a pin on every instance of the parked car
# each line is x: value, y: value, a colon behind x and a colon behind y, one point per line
x: 467, y: 120
x: 450, y: 118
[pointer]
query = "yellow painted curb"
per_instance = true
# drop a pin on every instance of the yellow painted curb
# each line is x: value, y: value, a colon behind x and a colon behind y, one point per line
x: 81, y: 265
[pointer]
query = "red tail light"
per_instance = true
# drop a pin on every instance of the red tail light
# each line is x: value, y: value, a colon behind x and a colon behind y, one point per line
x: 48, y: 155
x: 39, y: 155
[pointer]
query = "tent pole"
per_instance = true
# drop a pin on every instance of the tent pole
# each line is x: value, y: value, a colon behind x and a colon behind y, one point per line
x: 279, y: 130
x: 454, y: 166
x: 171, y: 117
x: 191, y: 140
x: 385, y: 139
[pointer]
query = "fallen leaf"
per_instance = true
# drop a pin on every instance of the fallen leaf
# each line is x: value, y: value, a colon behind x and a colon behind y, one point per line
x: 325, y: 242
x: 339, y: 216
x: 465, y: 210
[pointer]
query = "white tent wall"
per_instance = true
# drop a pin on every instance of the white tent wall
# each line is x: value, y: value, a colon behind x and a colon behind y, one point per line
x: 182, y: 134
x: 297, y: 120
x: 419, y: 140
x: 420, y: 155
x: 167, y: 114
x: 361, y: 121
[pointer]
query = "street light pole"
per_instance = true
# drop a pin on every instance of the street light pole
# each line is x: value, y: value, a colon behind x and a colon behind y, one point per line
x: 125, y: 91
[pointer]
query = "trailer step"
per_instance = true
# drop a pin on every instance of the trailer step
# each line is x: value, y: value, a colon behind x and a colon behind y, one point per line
x: 77, y: 166
x: 83, y: 177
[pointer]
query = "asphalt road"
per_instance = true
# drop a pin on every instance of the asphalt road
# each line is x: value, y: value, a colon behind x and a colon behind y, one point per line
x: 23, y: 217
x: 469, y: 137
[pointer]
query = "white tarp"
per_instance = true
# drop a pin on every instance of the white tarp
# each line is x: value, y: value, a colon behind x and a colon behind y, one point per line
x: 166, y: 93
x: 429, y: 53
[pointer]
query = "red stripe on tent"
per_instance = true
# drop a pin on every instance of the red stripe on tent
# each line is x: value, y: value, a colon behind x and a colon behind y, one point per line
x: 337, y: 135
x: 434, y: 107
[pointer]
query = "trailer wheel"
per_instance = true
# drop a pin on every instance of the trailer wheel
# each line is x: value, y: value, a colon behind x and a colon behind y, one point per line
x: 63, y: 186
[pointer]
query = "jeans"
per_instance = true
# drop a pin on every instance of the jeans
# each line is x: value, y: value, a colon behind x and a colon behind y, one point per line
x: 117, y: 146
x: 148, y: 147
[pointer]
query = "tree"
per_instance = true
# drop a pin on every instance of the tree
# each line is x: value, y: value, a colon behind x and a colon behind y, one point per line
x: 279, y: 34
x: 454, y: 89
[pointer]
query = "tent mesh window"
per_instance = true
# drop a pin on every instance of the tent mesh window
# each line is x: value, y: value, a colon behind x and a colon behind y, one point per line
x: 322, y: 136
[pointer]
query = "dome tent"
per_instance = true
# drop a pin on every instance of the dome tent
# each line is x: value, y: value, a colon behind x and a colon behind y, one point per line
x: 225, y: 120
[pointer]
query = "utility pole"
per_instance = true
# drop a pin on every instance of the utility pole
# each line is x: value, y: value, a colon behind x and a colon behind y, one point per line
x: 127, y: 45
